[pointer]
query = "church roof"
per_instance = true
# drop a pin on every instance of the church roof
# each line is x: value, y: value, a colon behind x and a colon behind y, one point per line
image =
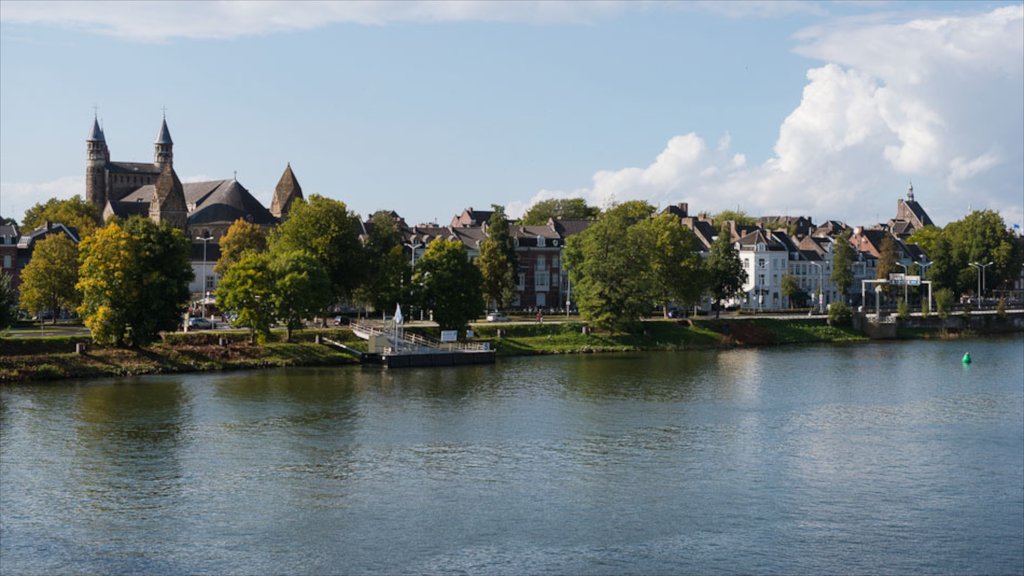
x: 919, y: 212
x: 133, y: 168
x: 164, y: 137
x: 228, y: 202
x: 286, y: 192
x: 97, y: 132
x: 168, y: 192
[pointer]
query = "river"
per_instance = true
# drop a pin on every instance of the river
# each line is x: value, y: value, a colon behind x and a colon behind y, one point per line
x: 888, y: 458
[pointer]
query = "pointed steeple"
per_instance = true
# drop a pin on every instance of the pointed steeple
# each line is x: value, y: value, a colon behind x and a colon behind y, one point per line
x: 286, y: 192
x: 910, y: 191
x: 163, y: 155
x: 97, y: 132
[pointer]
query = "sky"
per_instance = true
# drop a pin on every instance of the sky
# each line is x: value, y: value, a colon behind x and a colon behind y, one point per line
x: 828, y: 110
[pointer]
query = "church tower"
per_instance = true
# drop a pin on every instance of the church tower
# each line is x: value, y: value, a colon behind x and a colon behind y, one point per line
x: 168, y: 203
x: 97, y: 157
x: 163, y: 155
x: 286, y: 192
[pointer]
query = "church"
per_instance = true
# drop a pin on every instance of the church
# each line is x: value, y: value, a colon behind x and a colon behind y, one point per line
x: 153, y: 189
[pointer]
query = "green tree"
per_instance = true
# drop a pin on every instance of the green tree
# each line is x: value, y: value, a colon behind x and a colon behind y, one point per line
x: 8, y: 301
x: 385, y: 262
x: 843, y: 258
x: 241, y: 237
x: 74, y: 212
x: 330, y: 232
x: 134, y: 281
x: 886, y: 261
x: 498, y: 263
x: 451, y: 284
x: 301, y: 288
x: 839, y: 314
x: 740, y: 217
x: 48, y: 281
x: 673, y: 260
x: 982, y: 236
x: 247, y: 289
x: 612, y: 280
x: 725, y: 272
x: 791, y: 289
x: 944, y: 271
x: 943, y: 302
x: 559, y: 208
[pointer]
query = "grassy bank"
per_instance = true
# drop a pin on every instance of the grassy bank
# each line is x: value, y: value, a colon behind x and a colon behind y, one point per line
x: 55, y: 357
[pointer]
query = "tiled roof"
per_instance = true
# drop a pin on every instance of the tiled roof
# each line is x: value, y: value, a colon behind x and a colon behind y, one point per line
x: 286, y: 192
x: 168, y: 191
x: 568, y: 228
x: 533, y: 232
x: 229, y: 202
x: 133, y: 168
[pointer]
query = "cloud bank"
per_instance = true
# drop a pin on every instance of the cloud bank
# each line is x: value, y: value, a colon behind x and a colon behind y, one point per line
x: 938, y: 101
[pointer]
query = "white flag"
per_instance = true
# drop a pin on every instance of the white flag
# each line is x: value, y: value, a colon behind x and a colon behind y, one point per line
x: 398, y: 314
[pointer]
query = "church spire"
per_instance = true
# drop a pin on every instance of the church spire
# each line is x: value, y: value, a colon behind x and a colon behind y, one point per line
x: 163, y: 155
x: 286, y: 192
x: 910, y: 191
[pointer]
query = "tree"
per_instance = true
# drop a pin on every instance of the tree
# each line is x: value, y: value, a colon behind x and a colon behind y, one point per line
x: 241, y: 237
x: 330, y: 232
x: 134, y: 281
x: 74, y: 212
x: 982, y: 236
x: 672, y: 256
x: 791, y: 288
x: 385, y: 262
x: 559, y: 208
x: 498, y: 263
x: 48, y: 281
x: 886, y: 260
x: 740, y: 217
x: 843, y: 258
x: 726, y: 275
x: 943, y: 302
x: 301, y: 288
x: 8, y: 301
x: 451, y: 284
x: 247, y: 289
x: 611, y: 278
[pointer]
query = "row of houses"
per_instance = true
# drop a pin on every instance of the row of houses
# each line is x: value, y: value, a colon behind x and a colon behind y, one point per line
x: 773, y: 247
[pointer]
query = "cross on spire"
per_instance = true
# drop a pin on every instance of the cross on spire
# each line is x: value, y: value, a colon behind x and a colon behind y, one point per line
x: 95, y: 111
x: 164, y: 109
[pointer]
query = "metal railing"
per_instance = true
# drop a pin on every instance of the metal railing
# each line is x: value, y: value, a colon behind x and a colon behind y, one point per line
x: 376, y: 329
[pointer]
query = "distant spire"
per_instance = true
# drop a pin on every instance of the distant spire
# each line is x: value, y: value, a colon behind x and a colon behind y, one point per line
x: 97, y: 132
x: 164, y: 137
x: 910, y: 191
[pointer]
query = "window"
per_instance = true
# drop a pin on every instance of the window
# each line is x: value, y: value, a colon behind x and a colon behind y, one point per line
x: 522, y: 281
x: 541, y: 262
x: 211, y: 280
x: 540, y: 241
x: 7, y: 260
x: 541, y: 282
x: 554, y: 279
x: 760, y: 263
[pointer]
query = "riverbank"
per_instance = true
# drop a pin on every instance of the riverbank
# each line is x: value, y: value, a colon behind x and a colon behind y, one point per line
x: 55, y: 358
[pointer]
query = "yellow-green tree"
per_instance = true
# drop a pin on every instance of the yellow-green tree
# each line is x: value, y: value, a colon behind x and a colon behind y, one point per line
x: 48, y: 281
x: 106, y: 282
x: 247, y: 289
x: 241, y: 237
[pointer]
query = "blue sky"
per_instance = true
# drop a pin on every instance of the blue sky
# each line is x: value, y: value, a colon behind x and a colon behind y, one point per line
x: 821, y: 109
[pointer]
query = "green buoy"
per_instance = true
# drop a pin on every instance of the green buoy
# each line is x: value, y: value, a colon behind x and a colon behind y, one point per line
x: 967, y: 358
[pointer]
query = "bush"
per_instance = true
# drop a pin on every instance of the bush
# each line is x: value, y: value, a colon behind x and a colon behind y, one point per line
x: 903, y: 311
x: 839, y: 314
x: 967, y: 310
x: 1001, y: 308
x: 943, y: 302
x: 925, y: 312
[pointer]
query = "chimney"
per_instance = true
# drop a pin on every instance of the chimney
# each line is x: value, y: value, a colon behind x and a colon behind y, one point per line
x: 684, y: 208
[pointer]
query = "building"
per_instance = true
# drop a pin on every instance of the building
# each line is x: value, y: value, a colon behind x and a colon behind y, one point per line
x: 9, y: 236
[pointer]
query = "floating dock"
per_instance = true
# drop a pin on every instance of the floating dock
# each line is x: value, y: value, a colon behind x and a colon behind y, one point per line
x: 396, y: 349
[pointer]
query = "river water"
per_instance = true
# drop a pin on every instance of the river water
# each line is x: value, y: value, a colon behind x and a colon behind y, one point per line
x: 886, y: 458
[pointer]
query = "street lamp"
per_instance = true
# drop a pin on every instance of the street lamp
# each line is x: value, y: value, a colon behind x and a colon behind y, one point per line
x: 202, y: 289
x: 821, y: 268
x: 904, y: 280
x: 412, y: 246
x: 981, y: 275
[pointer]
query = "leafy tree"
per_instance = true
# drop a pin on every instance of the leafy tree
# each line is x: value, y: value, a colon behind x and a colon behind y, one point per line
x: 301, y: 288
x: 791, y: 289
x: 611, y: 278
x: 673, y: 259
x: 48, y: 281
x: 839, y: 314
x: 134, y: 281
x: 927, y: 238
x: 982, y: 236
x: 498, y: 263
x: 740, y: 217
x: 74, y: 212
x: 8, y: 301
x: 726, y: 275
x: 330, y: 232
x: 886, y: 261
x: 559, y: 208
x: 843, y: 258
x: 242, y: 236
x: 943, y: 302
x: 248, y: 290
x: 451, y: 284
x: 386, y: 264
x: 944, y: 271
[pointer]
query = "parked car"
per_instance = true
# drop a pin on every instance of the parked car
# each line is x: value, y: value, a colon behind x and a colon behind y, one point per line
x: 197, y: 323
x: 497, y: 317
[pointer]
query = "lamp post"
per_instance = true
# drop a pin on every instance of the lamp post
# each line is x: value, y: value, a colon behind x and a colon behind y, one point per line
x: 412, y: 246
x: 820, y: 268
x: 981, y: 282
x: 202, y: 289
x: 904, y: 280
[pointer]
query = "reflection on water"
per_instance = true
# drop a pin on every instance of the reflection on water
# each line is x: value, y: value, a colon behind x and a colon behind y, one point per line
x: 885, y: 458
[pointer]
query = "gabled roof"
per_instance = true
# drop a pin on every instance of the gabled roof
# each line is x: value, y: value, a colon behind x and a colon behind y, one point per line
x: 471, y: 217
x: 28, y: 240
x: 168, y: 193
x: 751, y: 240
x: 133, y: 168
x: 286, y: 192
x: 229, y: 202
x: 704, y: 230
x: 567, y: 228
x: 830, y: 228
x: 785, y: 239
x: 546, y: 232
x: 9, y: 230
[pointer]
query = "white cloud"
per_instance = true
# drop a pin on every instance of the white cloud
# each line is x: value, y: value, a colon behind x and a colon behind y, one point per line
x: 162, y: 21
x: 937, y: 100
x: 17, y: 197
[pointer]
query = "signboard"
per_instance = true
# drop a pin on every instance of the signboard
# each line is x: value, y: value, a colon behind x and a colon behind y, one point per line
x: 901, y: 279
x: 913, y: 280
x: 449, y: 335
x: 469, y: 334
x: 896, y: 278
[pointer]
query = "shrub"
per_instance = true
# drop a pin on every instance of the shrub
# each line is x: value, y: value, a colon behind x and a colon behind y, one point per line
x: 943, y: 302
x: 839, y: 314
x: 925, y: 312
x: 967, y: 310
x: 1001, y: 308
x: 903, y: 311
